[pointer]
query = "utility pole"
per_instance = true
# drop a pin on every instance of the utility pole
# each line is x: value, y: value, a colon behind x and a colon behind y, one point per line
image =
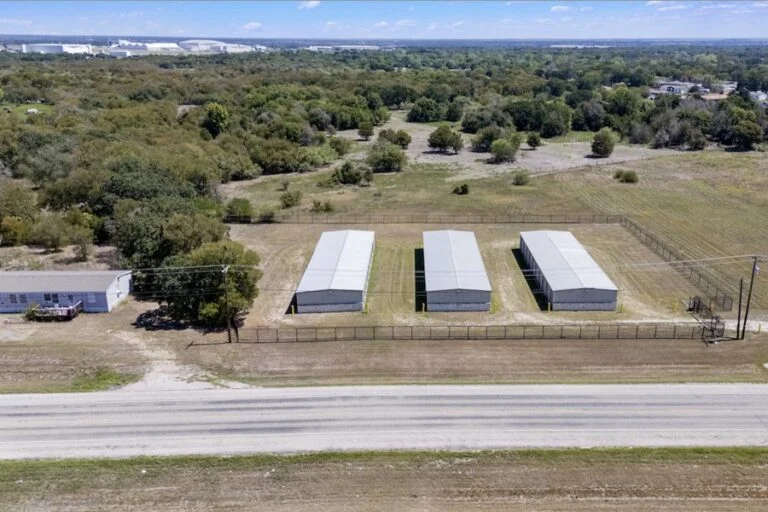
x: 738, y: 318
x: 226, y: 300
x: 755, y: 270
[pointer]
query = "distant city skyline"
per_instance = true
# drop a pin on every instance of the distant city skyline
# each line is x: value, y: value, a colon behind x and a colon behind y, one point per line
x: 329, y: 19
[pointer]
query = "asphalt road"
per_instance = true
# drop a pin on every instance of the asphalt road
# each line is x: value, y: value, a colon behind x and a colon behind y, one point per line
x: 119, y: 424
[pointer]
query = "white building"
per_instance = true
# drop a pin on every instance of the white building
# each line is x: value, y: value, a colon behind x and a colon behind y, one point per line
x: 211, y: 46
x: 566, y: 273
x: 138, y: 48
x: 56, y: 48
x: 336, y: 278
x: 454, y: 272
x: 97, y: 291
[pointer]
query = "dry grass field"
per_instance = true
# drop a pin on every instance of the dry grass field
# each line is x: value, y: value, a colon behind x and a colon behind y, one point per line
x: 684, y: 480
x: 649, y: 289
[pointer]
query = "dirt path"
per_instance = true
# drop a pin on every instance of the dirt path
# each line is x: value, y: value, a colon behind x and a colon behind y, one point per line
x: 166, y: 374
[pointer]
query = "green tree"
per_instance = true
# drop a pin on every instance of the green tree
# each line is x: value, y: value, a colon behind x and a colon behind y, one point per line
x: 14, y: 231
x: 51, y: 232
x: 402, y: 139
x: 216, y: 118
x: 425, y: 110
x: 503, y: 150
x: 534, y: 140
x: 746, y: 134
x: 483, y: 139
x: 290, y: 198
x: 16, y: 200
x: 443, y: 138
x: 240, y: 209
x: 386, y: 157
x: 82, y: 238
x: 603, y: 143
x: 365, y: 130
x: 219, y: 285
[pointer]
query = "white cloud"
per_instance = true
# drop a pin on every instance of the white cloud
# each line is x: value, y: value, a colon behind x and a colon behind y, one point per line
x: 405, y: 23
x: 253, y: 25
x: 654, y: 2
x: 330, y: 24
x: 381, y: 24
x: 586, y: 9
x: 457, y: 23
x: 543, y: 21
x: 760, y: 4
x: 11, y: 21
x: 560, y: 8
x: 672, y: 8
x: 566, y: 18
x: 309, y: 4
x: 718, y: 6
x: 132, y: 14
x: 432, y: 26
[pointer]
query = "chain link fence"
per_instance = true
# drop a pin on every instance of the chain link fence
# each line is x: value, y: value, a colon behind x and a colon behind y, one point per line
x: 431, y: 219
x: 478, y: 332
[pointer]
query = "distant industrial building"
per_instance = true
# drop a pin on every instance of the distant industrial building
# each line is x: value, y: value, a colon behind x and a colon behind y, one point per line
x: 566, y: 273
x: 336, y: 278
x: 211, y: 46
x: 95, y: 291
x: 56, y: 48
x: 454, y: 272
x: 139, y: 48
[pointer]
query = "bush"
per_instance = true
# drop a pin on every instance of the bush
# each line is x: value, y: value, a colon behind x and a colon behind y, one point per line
x: 82, y: 238
x: 240, y: 209
x: 267, y: 216
x: 284, y: 184
x: 603, y: 143
x: 640, y: 133
x: 626, y: 176
x: 521, y: 178
x: 14, y: 231
x: 746, y: 134
x: 696, y: 141
x: 365, y: 130
x: 322, y: 206
x: 485, y: 137
x: 444, y: 138
x: 461, y: 190
x: 340, y: 145
x: 50, y: 232
x: 425, y: 110
x: 386, y: 157
x: 534, y: 140
x: 290, y: 199
x: 503, y: 150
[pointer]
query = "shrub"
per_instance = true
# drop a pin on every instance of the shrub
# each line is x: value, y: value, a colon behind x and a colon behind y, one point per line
x: 82, y: 238
x: 319, y: 206
x: 340, y: 145
x: 50, y: 232
x: 425, y: 110
x: 534, y: 140
x: 240, y: 209
x: 503, y: 150
x: 267, y: 216
x: 485, y: 137
x: 444, y: 138
x: 603, y: 143
x: 520, y: 178
x: 640, y: 133
x: 696, y: 140
x: 386, y: 157
x: 284, y: 184
x: 365, y: 130
x: 14, y: 231
x: 290, y: 199
x: 461, y: 190
x: 626, y: 176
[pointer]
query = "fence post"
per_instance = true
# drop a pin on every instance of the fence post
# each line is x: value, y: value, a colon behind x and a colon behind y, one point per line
x: 674, y: 332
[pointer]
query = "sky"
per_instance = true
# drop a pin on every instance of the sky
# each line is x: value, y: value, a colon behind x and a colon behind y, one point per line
x: 403, y: 19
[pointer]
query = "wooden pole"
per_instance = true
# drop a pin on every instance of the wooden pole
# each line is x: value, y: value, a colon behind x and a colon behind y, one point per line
x: 738, y: 318
x: 226, y: 301
x: 755, y: 270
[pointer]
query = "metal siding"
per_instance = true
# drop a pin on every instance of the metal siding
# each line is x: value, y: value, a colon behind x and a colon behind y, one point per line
x: 341, y: 261
x: 459, y: 300
x: 564, y: 263
x: 452, y: 260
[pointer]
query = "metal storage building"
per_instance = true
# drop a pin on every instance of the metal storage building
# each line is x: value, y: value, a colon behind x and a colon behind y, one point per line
x: 336, y: 278
x: 98, y: 291
x: 566, y: 273
x: 455, y: 276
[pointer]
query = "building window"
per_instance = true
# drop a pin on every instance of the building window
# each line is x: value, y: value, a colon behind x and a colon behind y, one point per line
x: 71, y: 298
x: 13, y: 298
x: 91, y: 297
x: 56, y: 298
x: 23, y: 298
x: 47, y: 297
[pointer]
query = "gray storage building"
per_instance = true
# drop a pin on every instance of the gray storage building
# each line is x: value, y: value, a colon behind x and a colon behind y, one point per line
x: 455, y: 276
x: 566, y: 273
x: 336, y: 278
x: 98, y: 291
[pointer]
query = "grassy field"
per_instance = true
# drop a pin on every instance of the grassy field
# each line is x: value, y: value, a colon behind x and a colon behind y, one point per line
x: 648, y: 289
x: 582, y: 480
x: 20, y: 109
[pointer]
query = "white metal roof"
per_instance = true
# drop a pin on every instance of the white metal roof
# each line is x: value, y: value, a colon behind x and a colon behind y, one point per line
x: 340, y: 262
x: 452, y: 261
x: 565, y: 263
x: 58, y: 281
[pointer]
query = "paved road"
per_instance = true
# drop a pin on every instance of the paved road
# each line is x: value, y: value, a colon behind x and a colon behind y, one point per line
x: 117, y: 424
